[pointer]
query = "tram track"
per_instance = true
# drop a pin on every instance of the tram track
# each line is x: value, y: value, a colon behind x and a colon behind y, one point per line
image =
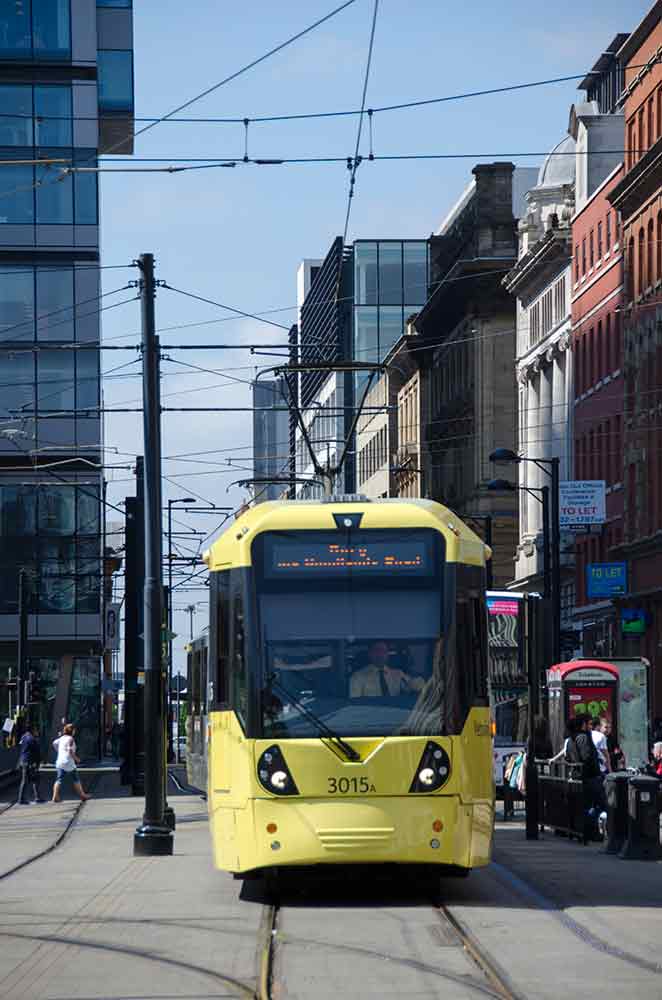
x: 55, y: 843
x: 492, y: 981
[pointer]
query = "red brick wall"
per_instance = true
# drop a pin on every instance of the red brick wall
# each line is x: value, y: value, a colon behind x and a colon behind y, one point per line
x: 598, y: 365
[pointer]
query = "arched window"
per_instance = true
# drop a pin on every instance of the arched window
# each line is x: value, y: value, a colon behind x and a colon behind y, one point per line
x: 650, y: 273
x: 658, y: 246
x: 641, y: 272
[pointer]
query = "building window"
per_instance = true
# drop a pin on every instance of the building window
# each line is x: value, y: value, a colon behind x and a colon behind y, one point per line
x: 576, y: 264
x: 390, y: 283
x: 591, y: 250
x: 38, y: 304
x: 650, y: 274
x: 42, y: 193
x: 641, y: 134
x: 658, y: 246
x: 609, y: 346
x: 534, y: 324
x: 54, y: 533
x: 559, y: 300
x: 52, y: 116
x: 651, y: 121
x: 19, y: 180
x: 632, y: 139
x: 608, y: 232
x: 584, y: 256
x: 54, y: 195
x: 35, y: 29
x: 599, y: 241
x: 641, y: 270
x: 115, y: 75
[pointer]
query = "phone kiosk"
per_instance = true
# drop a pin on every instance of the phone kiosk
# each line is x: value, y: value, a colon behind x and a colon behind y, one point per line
x: 616, y: 689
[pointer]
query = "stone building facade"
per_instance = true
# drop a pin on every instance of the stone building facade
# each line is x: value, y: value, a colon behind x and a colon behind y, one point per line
x: 465, y: 356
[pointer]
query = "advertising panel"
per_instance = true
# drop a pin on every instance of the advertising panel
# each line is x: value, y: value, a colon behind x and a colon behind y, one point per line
x: 606, y: 579
x: 582, y: 502
x: 593, y: 700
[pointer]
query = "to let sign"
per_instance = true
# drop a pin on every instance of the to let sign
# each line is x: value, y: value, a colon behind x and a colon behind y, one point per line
x: 582, y: 501
x: 606, y: 579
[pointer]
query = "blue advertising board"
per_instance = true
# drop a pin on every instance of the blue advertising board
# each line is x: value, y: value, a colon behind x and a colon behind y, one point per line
x: 606, y: 579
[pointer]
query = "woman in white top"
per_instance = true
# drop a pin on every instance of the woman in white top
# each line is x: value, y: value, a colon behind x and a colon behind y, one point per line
x: 65, y: 765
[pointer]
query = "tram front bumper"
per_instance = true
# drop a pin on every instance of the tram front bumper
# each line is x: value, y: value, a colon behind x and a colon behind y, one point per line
x: 422, y: 829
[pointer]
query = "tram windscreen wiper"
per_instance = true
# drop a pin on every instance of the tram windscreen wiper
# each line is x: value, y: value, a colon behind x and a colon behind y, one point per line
x: 324, y: 730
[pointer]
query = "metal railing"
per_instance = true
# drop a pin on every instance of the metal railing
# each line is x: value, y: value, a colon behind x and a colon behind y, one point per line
x: 562, y: 798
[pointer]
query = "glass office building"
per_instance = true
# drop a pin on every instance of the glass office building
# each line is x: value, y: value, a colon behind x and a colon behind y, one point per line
x: 357, y: 309
x: 390, y: 285
x: 66, y: 94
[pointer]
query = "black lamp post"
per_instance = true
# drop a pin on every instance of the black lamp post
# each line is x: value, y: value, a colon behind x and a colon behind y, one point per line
x: 551, y: 467
x: 532, y: 801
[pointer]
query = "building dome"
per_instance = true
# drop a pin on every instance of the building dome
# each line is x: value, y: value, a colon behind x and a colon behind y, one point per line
x: 558, y: 167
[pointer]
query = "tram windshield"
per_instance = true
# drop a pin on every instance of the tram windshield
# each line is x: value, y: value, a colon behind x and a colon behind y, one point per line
x: 362, y: 655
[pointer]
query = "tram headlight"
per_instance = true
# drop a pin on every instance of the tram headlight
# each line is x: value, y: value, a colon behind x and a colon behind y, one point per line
x: 274, y: 774
x: 433, y: 770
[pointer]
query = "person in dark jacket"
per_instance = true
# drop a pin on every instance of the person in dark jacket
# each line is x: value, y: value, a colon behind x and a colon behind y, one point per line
x: 585, y: 753
x: 29, y: 760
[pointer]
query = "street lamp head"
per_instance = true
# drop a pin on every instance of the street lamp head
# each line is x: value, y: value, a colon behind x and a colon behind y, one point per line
x: 186, y: 500
x: 501, y: 486
x: 504, y: 456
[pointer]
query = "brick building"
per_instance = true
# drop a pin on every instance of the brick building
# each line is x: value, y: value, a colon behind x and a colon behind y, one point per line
x: 598, y: 399
x: 638, y: 199
x: 596, y: 300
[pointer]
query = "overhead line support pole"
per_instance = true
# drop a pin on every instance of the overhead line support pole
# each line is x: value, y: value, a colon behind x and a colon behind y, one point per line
x: 153, y: 837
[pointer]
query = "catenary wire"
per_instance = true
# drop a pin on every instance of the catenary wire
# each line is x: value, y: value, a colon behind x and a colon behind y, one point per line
x: 355, y: 161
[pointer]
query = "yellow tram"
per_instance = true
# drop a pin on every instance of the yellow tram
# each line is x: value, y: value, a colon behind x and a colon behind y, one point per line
x: 348, y: 717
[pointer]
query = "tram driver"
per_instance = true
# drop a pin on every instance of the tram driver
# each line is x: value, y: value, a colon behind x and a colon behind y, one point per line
x: 380, y: 679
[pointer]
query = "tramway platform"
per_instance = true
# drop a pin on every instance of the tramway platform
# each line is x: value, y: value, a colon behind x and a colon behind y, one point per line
x: 88, y: 920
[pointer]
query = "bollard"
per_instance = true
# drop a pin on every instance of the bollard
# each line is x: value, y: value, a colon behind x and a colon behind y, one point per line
x: 616, y: 791
x: 644, y: 806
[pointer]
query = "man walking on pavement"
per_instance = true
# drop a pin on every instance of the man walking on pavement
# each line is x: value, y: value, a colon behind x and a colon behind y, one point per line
x: 29, y: 761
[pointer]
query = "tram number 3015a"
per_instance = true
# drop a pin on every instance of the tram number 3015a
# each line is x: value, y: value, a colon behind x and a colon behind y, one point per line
x: 345, y: 786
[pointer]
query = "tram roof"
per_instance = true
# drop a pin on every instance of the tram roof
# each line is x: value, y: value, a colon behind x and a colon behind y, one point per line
x: 233, y: 546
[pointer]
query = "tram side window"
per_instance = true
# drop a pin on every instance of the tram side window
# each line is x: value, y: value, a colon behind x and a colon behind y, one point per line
x: 479, y: 616
x: 221, y: 630
x: 238, y: 672
x: 472, y: 648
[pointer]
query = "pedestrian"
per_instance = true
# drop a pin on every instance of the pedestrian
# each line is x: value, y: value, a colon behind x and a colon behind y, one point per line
x: 657, y: 758
x: 616, y: 755
x: 600, y: 744
x: 571, y: 730
x: 582, y: 750
x: 29, y: 761
x: 65, y: 765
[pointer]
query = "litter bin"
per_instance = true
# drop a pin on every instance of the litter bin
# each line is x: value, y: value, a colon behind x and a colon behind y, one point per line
x: 644, y: 806
x: 616, y: 792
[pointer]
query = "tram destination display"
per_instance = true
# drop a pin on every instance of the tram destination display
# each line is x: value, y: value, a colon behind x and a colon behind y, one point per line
x: 333, y: 556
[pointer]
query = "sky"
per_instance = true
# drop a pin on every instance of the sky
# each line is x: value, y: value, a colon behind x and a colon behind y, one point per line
x: 238, y: 235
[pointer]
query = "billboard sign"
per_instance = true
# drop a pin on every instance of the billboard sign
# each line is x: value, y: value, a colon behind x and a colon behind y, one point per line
x: 582, y: 502
x: 112, y: 626
x: 606, y: 579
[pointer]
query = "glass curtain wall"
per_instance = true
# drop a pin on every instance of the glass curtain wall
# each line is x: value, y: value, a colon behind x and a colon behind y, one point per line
x: 390, y: 284
x: 54, y: 533
x: 37, y: 124
x: 35, y: 29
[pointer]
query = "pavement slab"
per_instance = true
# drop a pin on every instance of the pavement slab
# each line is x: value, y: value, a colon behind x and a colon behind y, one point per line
x: 91, y: 921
